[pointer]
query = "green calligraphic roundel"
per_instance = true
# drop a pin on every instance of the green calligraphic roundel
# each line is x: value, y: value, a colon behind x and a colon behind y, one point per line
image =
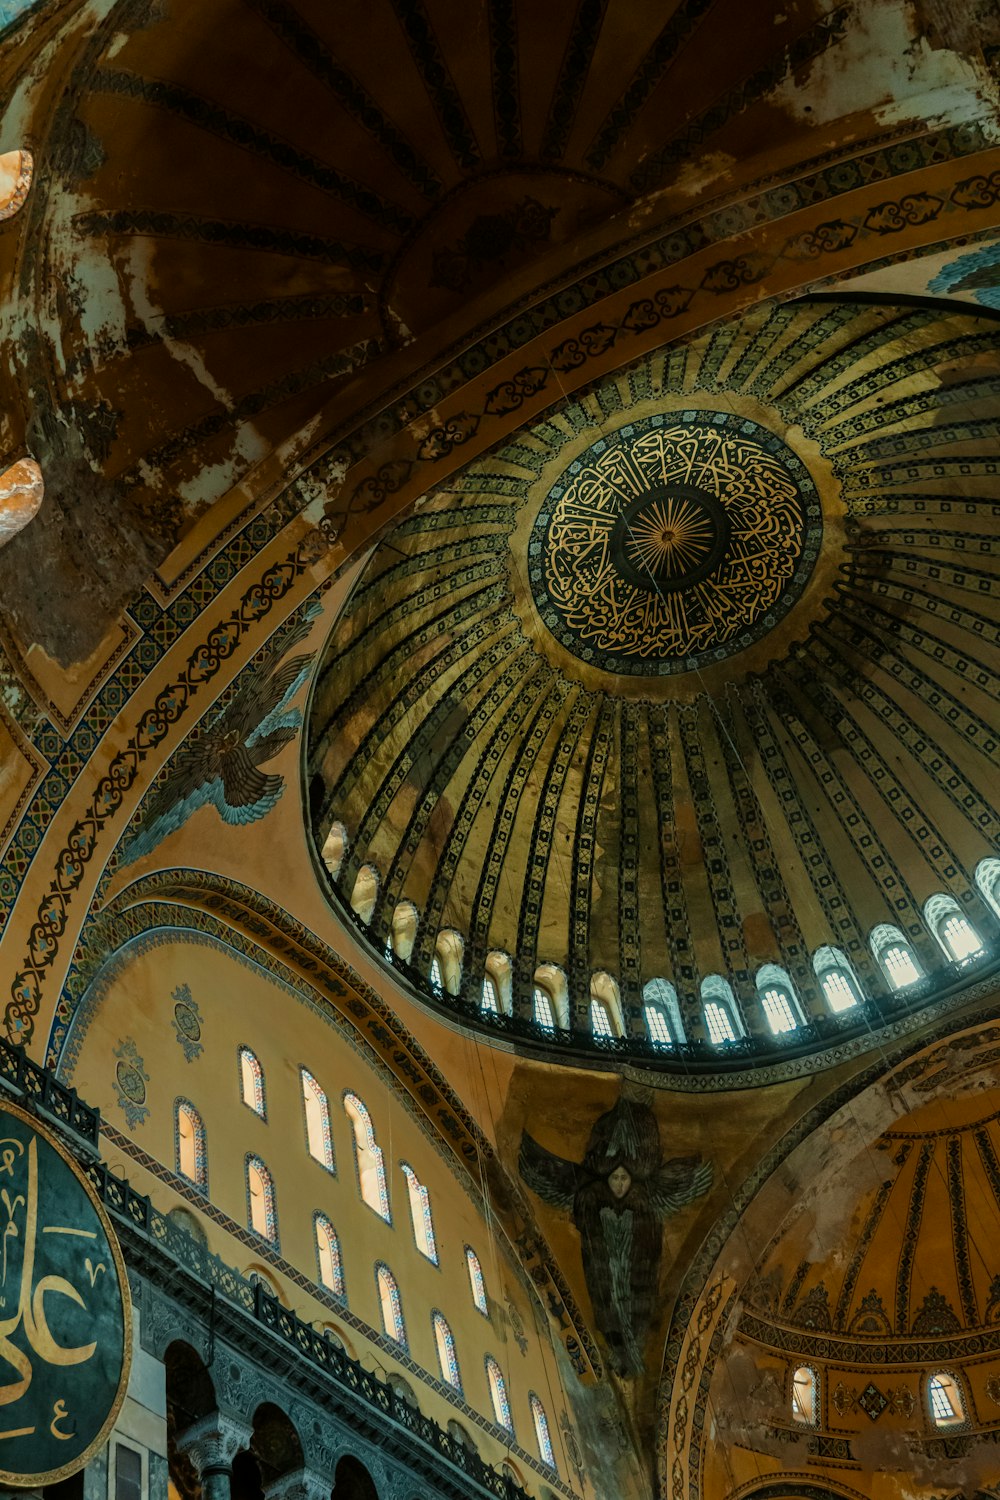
x: 674, y: 542
x: 65, y: 1314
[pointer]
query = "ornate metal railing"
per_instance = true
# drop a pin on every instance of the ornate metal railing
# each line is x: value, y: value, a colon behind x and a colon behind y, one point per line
x: 36, y: 1086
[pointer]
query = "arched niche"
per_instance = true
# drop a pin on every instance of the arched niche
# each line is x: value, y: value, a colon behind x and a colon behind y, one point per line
x: 364, y: 896
x: 335, y: 847
x: 352, y: 1481
x: 403, y: 933
x: 449, y: 950
x: 16, y: 171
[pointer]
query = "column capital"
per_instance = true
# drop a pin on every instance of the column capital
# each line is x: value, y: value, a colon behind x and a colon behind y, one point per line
x: 299, y: 1484
x: 213, y: 1442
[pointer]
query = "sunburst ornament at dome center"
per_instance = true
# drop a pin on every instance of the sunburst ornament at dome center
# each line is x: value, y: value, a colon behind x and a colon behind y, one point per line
x: 670, y: 538
x: 675, y: 542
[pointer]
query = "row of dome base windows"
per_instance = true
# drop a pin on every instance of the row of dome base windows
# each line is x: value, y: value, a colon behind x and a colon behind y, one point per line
x: 960, y: 943
x: 21, y: 486
x: 942, y: 1393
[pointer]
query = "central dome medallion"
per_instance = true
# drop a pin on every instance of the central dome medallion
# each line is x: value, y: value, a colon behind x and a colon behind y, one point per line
x: 674, y: 542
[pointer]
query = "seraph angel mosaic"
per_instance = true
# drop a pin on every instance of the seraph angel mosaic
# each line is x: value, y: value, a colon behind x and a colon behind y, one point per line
x: 222, y: 765
x: 618, y: 1197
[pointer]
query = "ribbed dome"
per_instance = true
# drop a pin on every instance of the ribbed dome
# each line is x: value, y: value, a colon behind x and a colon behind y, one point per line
x: 816, y: 762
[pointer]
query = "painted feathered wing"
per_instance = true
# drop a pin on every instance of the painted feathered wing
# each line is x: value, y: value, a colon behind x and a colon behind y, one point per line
x: 552, y: 1177
x: 677, y: 1183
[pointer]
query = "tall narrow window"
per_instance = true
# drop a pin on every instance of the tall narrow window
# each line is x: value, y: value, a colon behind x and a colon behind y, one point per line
x: 600, y: 1021
x: 498, y: 1395
x: 447, y: 1358
x: 390, y: 1304
x: 838, y: 991
x: 778, y: 1010
x: 192, y: 1157
x: 489, y: 1000
x: 960, y: 937
x: 252, y: 1082
x: 542, y: 1435
x: 262, y: 1214
x: 476, y: 1282
x: 894, y: 954
x: 542, y: 1010
x: 945, y: 1399
x: 804, y: 1404
x: 437, y: 982
x: 319, y: 1139
x: 663, y: 1013
x: 420, y: 1214
x: 367, y: 1157
x: 328, y: 1258
x: 720, y: 1027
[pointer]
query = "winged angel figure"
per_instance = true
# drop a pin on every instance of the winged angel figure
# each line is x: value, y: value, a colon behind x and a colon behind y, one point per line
x: 618, y: 1197
x: 223, y: 765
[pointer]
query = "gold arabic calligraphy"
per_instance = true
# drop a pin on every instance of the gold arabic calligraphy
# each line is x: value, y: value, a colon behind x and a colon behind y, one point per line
x: 29, y: 1303
x: 599, y: 606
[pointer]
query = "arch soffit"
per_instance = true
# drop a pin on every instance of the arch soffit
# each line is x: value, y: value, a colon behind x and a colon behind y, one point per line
x: 712, y: 1283
x: 180, y: 903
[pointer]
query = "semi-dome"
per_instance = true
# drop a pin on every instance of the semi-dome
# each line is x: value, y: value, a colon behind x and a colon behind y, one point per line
x: 690, y: 680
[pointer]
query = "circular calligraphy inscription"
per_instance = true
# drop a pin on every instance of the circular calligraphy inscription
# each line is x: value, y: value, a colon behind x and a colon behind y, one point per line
x: 65, y: 1314
x: 675, y: 542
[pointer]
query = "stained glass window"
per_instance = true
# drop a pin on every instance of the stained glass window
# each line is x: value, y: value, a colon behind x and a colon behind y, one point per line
x: 262, y: 1214
x: 476, y: 1281
x: 542, y: 1435
x: 447, y: 1358
x: 498, y: 1395
x: 367, y: 1157
x: 192, y: 1156
x: 252, y: 1082
x: 420, y: 1214
x: 390, y: 1304
x: 946, y: 1401
x: 331, y: 1266
x: 317, y: 1110
x: 542, y: 1010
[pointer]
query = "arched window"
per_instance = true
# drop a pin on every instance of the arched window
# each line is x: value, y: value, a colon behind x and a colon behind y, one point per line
x: 600, y: 1021
x: 16, y: 168
x: 437, y: 981
x: 365, y: 893
x: 952, y: 928
x: 719, y: 1007
x: 476, y: 1282
x: 542, y: 1435
x: 252, y: 1082
x: 403, y: 933
x: 498, y: 1395
x: 189, y: 1138
x: 542, y: 1010
x: 663, y: 1013
x: 837, y: 979
x: 390, y: 1304
x: 420, y: 1214
x: 500, y: 973
x: 334, y: 849
x: 945, y: 1400
x: 781, y: 1008
x: 605, y: 1005
x: 367, y: 1157
x: 21, y: 495
x: 388, y: 952
x: 490, y: 1001
x: 449, y: 951
x: 894, y: 956
x: 262, y: 1213
x: 447, y: 1358
x: 319, y: 1140
x: 988, y: 881
x: 328, y: 1257
x: 805, y: 1407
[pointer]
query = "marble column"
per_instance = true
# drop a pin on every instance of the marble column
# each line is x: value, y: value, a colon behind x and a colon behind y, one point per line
x: 210, y: 1445
x: 299, y: 1484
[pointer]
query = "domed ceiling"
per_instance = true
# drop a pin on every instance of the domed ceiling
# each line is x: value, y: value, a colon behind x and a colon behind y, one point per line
x: 695, y: 674
x: 244, y: 211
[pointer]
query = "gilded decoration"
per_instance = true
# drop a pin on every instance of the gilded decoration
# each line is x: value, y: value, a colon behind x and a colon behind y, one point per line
x: 681, y: 539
